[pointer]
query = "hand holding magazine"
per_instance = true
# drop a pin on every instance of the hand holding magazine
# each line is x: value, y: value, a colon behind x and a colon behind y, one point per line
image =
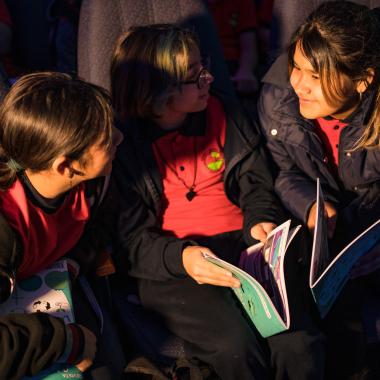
x: 261, y: 272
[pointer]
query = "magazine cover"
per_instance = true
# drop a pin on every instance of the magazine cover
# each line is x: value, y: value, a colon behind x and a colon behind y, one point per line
x: 46, y: 292
x: 327, y: 277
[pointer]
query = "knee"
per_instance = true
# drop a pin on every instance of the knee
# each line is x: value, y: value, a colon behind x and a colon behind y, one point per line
x: 299, y: 353
x: 238, y: 342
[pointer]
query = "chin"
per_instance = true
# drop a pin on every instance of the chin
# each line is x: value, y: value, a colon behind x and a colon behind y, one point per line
x: 105, y: 171
x: 308, y: 114
x: 202, y: 105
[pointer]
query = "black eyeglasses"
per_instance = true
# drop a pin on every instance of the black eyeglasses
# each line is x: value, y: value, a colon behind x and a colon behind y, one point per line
x: 204, y: 77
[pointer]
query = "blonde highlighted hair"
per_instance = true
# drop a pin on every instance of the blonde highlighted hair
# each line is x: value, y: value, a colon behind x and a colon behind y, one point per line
x: 148, y: 65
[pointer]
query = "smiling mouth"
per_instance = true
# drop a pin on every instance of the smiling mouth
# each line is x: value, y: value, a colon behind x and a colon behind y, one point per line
x: 301, y: 100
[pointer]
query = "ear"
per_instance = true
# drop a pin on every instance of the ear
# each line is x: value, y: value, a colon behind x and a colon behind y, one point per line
x: 62, y: 167
x: 363, y: 84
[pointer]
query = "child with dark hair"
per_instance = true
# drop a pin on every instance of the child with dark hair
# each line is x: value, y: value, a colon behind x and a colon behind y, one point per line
x: 57, y: 143
x: 325, y: 123
x: 194, y: 178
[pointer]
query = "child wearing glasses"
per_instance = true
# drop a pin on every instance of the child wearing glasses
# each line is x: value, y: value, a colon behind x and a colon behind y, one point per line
x: 194, y: 179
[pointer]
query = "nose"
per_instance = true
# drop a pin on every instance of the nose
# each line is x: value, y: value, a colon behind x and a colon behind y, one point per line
x: 300, y: 84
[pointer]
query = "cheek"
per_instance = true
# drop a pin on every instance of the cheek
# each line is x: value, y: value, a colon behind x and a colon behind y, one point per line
x: 292, y: 79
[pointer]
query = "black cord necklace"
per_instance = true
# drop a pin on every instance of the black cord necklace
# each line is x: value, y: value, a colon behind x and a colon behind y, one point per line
x: 191, y: 189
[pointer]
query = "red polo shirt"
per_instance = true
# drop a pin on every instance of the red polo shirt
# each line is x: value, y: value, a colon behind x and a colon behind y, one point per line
x: 329, y: 131
x: 233, y: 17
x: 45, y: 237
x: 185, y: 160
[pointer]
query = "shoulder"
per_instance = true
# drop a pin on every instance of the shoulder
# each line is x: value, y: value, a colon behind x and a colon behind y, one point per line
x: 277, y: 105
x: 95, y: 189
x: 242, y: 126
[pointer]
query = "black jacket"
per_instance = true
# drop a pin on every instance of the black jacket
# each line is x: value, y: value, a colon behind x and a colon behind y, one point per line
x: 300, y: 157
x: 248, y: 183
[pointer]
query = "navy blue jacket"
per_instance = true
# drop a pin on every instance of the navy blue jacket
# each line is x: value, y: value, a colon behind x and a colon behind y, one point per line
x: 300, y: 157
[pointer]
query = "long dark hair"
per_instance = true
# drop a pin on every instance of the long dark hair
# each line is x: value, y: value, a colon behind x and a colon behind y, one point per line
x: 341, y: 37
x: 46, y: 115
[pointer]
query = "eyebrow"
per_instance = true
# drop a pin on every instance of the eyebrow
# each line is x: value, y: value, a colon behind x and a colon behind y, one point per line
x: 312, y: 71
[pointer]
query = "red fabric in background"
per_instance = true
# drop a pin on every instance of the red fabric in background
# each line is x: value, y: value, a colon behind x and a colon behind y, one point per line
x: 232, y: 17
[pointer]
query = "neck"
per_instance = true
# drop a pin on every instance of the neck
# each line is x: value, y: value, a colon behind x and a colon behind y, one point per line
x: 170, y: 121
x: 346, y: 110
x: 48, y: 185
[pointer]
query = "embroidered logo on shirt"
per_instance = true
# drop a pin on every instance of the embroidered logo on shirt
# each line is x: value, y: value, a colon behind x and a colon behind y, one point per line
x: 213, y: 160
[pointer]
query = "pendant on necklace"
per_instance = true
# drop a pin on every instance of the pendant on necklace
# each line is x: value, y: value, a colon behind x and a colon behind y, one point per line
x: 190, y: 195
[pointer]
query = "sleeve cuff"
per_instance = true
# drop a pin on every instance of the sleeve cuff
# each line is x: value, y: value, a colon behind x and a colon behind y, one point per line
x: 173, y: 257
x: 74, y: 345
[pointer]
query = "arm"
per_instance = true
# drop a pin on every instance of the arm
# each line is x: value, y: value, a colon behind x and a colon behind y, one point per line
x: 296, y: 190
x: 32, y: 342
x: 143, y: 250
x: 150, y: 254
x: 244, y: 77
x: 257, y: 199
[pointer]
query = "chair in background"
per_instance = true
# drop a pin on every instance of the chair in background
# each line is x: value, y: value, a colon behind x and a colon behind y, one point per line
x: 101, y: 22
x: 288, y: 14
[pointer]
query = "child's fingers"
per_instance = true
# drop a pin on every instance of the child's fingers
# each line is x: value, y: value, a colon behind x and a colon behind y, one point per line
x: 209, y: 273
x: 258, y: 232
x: 219, y: 282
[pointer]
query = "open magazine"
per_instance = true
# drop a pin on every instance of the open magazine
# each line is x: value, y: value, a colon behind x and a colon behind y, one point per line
x: 327, y: 277
x: 261, y: 272
x: 46, y: 292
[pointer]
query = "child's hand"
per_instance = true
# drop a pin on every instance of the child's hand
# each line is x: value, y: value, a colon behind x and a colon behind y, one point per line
x: 204, y: 272
x: 330, y: 214
x: 89, y: 349
x: 261, y: 230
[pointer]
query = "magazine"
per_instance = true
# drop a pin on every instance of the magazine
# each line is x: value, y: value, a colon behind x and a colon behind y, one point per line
x: 46, y: 292
x: 260, y: 271
x: 261, y: 274
x: 327, y: 277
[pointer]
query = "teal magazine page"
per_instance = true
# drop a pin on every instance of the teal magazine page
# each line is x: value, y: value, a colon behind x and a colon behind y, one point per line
x: 46, y: 292
x: 261, y: 274
x: 327, y: 277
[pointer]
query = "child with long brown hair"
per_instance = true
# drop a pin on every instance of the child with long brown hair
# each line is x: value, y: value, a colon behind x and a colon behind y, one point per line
x: 325, y: 123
